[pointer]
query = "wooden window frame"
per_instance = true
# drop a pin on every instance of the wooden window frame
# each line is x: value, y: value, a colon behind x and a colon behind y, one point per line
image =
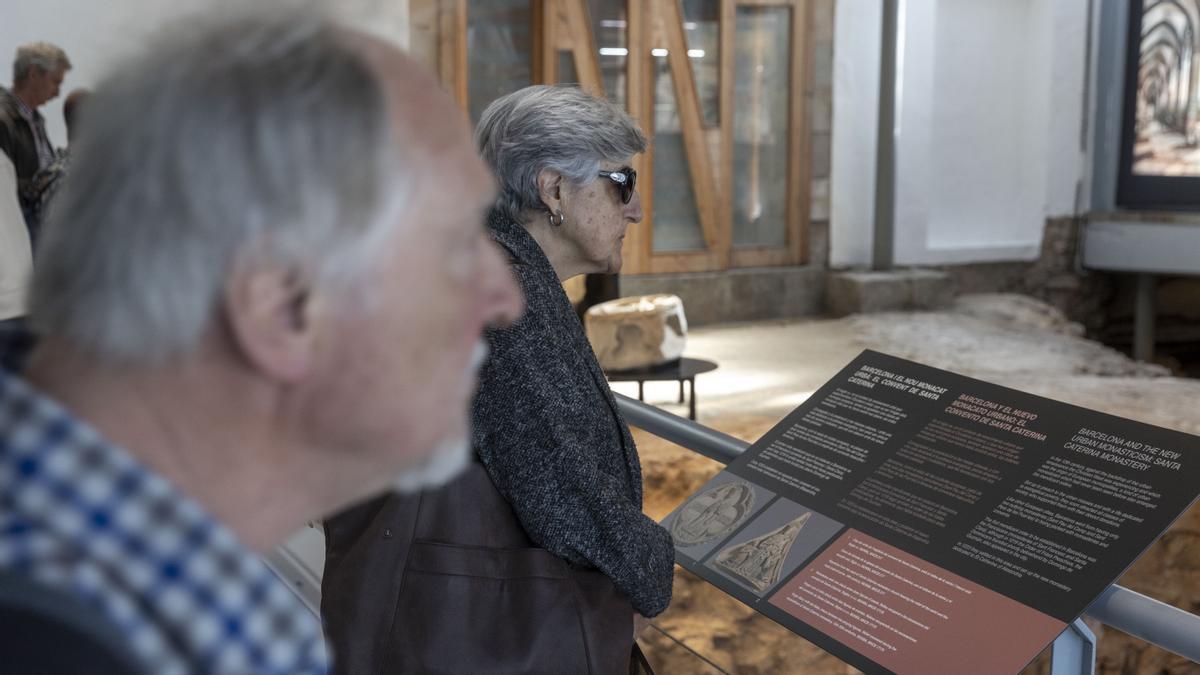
x: 565, y: 25
x: 795, y: 249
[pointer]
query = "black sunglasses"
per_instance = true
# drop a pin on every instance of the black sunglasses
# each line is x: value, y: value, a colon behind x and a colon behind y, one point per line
x: 626, y: 180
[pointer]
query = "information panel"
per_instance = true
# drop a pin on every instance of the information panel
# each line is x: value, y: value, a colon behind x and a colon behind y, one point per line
x: 911, y: 520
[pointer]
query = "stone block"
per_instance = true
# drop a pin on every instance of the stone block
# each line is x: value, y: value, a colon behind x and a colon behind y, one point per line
x: 930, y: 289
x: 740, y: 294
x: 893, y: 290
x: 637, y: 332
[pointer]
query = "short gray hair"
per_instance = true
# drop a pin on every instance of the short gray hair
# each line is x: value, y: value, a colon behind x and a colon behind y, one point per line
x: 562, y: 128
x: 264, y: 135
x: 44, y: 56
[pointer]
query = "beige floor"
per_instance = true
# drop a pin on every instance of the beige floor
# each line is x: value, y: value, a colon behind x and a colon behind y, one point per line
x: 764, y: 368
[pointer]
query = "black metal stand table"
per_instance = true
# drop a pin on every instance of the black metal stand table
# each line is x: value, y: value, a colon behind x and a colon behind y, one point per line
x: 683, y: 370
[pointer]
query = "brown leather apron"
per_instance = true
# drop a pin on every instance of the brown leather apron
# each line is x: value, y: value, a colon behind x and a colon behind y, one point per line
x: 447, y: 581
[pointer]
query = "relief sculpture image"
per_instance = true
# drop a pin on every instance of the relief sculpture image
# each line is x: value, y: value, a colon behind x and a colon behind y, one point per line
x: 713, y: 514
x: 758, y: 561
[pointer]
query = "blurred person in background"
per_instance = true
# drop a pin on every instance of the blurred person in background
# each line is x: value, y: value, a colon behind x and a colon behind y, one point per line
x: 38, y: 72
x: 46, y: 183
x: 16, y: 266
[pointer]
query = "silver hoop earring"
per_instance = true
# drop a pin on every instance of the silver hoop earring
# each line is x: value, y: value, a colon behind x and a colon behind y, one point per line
x: 556, y: 219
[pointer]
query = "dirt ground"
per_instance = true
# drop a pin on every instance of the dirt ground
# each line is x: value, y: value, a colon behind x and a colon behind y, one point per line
x: 766, y: 369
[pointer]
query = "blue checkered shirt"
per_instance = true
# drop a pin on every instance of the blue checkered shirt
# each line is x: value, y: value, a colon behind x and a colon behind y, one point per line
x: 79, y: 514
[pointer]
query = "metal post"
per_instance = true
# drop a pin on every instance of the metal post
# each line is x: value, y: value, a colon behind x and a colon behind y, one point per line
x: 1074, y: 651
x: 1112, y: 29
x: 883, y: 253
x: 1143, y: 318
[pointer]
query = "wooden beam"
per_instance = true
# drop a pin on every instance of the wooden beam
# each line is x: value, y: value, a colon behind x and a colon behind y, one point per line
x: 583, y: 46
x: 537, y: 37
x: 562, y: 26
x: 452, y: 48
x: 799, y: 157
x: 725, y: 175
x: 648, y: 20
x: 423, y: 26
x: 688, y: 104
x: 636, y: 251
x: 544, y: 59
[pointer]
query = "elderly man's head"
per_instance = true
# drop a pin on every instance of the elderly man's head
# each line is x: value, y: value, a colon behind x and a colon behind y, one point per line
x: 290, y: 210
x: 38, y: 71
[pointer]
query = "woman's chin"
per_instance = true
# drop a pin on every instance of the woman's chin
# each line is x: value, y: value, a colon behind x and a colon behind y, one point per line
x: 616, y: 260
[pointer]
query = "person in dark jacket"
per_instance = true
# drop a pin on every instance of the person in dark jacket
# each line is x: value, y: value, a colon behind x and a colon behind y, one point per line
x: 47, y: 182
x: 540, y: 559
x: 38, y: 71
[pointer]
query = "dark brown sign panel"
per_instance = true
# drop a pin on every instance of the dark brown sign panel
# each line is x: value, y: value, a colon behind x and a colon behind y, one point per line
x: 911, y: 520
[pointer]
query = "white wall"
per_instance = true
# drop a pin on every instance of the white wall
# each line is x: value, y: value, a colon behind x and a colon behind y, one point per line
x: 987, y: 162
x: 915, y: 72
x: 1069, y: 167
x: 988, y: 126
x: 95, y: 34
x: 856, y: 51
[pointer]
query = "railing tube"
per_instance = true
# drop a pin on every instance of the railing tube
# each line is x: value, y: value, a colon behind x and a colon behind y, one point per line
x: 1151, y: 620
x: 695, y: 437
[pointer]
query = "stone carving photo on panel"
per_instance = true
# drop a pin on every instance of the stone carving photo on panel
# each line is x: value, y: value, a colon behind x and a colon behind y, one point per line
x: 757, y: 562
x: 712, y: 514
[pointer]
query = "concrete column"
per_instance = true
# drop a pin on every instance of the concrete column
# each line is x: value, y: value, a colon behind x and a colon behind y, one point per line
x: 883, y: 252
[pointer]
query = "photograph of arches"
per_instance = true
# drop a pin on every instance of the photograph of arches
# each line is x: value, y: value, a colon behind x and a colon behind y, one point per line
x: 1167, y: 97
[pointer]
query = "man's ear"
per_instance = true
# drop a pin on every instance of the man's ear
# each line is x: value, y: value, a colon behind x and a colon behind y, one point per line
x: 269, y: 309
x: 549, y: 184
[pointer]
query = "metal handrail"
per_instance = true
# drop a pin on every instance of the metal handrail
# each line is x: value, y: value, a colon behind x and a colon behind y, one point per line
x: 1151, y: 620
x: 1139, y: 615
x: 713, y: 444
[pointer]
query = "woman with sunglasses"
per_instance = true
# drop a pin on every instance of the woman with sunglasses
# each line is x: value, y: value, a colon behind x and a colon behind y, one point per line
x: 539, y: 558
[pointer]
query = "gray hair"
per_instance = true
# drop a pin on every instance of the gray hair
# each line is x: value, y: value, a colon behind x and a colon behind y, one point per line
x: 44, y: 56
x: 561, y: 128
x: 263, y: 136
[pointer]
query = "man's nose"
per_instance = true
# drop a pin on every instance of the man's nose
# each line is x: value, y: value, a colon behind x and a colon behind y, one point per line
x: 503, y: 302
x: 633, y: 210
